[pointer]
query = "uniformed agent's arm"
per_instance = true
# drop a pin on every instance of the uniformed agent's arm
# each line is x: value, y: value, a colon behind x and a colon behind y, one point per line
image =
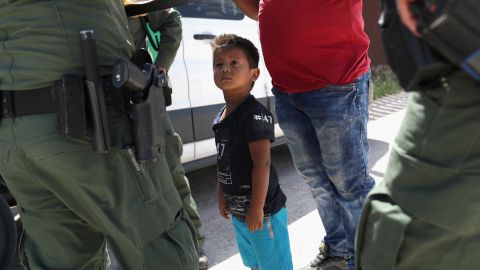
x: 170, y: 27
x: 260, y: 154
x: 406, y: 15
x: 249, y: 7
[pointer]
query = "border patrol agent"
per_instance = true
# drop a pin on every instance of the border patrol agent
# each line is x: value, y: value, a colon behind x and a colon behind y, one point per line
x: 169, y: 25
x: 73, y: 200
x: 425, y: 212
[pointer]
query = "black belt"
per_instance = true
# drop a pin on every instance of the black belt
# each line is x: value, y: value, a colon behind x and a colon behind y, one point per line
x: 16, y: 103
x: 28, y: 102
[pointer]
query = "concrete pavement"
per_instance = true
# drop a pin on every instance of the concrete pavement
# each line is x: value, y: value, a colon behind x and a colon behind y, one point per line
x: 386, y: 115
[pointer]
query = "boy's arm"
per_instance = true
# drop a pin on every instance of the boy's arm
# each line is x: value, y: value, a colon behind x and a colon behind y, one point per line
x: 260, y: 153
x: 222, y: 206
x: 249, y: 7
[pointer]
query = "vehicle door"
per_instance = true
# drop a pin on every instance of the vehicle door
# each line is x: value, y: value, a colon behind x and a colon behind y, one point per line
x: 202, y: 21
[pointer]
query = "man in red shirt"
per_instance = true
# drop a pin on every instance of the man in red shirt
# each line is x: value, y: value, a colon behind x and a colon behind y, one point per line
x: 316, y: 53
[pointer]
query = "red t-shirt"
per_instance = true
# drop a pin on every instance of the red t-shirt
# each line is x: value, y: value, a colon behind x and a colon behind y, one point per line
x: 309, y: 44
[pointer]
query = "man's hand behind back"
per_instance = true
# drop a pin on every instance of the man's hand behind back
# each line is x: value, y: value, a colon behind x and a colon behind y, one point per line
x: 406, y: 15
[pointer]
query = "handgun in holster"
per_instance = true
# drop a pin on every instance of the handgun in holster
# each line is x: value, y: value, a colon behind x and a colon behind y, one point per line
x: 446, y: 27
x: 147, y: 86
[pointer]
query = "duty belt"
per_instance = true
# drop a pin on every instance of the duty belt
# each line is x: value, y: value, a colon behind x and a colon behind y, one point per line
x: 16, y: 103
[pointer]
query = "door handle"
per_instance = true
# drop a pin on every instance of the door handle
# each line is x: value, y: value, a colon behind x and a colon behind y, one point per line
x: 203, y: 36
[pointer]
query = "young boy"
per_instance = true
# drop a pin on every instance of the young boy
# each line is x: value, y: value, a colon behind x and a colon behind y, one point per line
x: 247, y: 187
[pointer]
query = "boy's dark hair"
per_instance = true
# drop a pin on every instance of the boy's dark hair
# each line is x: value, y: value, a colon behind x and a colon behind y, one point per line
x: 234, y: 41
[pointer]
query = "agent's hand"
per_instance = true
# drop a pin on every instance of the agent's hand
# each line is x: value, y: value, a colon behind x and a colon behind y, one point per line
x: 254, y: 219
x: 222, y: 207
x: 164, y: 70
x: 406, y: 15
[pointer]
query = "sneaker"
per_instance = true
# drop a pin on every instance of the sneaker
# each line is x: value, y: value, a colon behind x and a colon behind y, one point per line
x: 332, y: 263
x: 321, y: 256
x: 323, y: 261
x: 202, y: 260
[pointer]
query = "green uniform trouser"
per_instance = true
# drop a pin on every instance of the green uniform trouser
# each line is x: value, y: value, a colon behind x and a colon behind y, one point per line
x: 170, y: 26
x: 73, y: 200
x: 425, y: 214
x: 174, y: 150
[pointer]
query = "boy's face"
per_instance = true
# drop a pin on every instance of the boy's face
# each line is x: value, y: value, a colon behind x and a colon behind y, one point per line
x: 232, y: 72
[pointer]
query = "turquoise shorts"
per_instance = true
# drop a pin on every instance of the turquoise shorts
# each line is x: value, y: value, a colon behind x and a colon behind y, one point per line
x: 266, y: 249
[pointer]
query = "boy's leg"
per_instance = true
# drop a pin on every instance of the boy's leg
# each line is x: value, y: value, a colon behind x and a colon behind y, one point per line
x: 266, y: 249
x: 242, y: 235
x: 272, y: 243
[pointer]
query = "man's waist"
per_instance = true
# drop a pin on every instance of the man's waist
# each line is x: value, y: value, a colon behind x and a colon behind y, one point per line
x: 301, y: 83
x: 16, y: 103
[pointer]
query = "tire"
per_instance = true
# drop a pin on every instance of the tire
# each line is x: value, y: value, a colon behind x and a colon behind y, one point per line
x: 8, y: 235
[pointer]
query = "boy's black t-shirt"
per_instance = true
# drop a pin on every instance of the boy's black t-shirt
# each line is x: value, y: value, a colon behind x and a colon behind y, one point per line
x: 249, y: 122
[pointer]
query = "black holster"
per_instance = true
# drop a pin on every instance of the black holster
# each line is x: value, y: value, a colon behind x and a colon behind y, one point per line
x: 148, y: 127
x: 147, y: 88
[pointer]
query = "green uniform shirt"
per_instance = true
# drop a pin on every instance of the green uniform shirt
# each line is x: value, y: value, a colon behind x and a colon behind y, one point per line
x: 425, y: 212
x: 40, y: 40
x: 169, y: 25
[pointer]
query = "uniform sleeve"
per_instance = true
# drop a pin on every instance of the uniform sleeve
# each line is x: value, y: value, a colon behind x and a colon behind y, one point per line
x: 170, y: 27
x: 258, y: 125
x: 138, y: 33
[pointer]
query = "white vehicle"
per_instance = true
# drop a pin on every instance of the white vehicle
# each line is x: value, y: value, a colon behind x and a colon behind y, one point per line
x: 196, y: 99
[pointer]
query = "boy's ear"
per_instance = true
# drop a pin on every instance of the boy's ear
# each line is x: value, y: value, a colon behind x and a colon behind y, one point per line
x: 254, y: 73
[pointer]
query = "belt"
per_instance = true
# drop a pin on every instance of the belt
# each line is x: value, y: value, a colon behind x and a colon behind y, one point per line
x: 28, y: 102
x: 16, y: 103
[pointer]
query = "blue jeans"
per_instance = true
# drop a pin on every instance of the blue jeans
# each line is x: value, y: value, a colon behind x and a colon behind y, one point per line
x: 326, y: 132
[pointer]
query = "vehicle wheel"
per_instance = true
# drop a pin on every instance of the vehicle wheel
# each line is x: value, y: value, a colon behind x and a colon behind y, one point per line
x: 8, y: 235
